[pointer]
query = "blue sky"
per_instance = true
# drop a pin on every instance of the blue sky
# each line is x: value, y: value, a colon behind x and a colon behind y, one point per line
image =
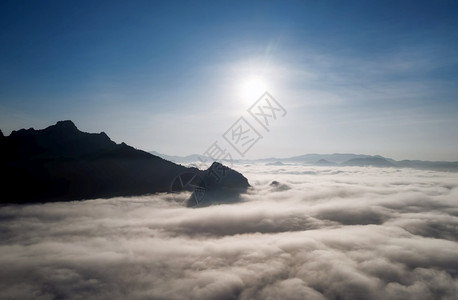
x: 373, y: 77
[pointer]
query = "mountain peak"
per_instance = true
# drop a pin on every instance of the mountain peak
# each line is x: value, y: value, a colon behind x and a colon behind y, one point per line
x: 222, y: 185
x: 66, y: 125
x: 62, y: 139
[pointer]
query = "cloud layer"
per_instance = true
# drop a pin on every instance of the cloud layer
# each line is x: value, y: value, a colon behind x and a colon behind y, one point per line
x: 320, y: 233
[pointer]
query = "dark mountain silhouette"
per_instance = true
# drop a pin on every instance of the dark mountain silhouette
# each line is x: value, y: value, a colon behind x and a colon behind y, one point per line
x: 61, y: 163
x: 234, y: 185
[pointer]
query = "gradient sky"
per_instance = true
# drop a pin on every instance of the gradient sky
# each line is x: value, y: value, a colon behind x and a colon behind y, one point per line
x: 372, y: 77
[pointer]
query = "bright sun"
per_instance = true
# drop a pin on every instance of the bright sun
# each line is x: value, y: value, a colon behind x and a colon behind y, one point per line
x: 253, y: 88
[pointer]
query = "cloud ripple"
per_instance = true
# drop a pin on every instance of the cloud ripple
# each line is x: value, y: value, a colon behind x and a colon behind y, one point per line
x: 327, y: 233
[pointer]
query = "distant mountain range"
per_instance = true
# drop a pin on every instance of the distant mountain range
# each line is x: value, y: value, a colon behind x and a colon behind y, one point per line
x: 61, y: 163
x: 337, y: 159
x: 181, y: 159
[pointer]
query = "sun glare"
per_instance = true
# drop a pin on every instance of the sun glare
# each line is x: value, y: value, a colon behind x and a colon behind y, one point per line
x: 253, y: 88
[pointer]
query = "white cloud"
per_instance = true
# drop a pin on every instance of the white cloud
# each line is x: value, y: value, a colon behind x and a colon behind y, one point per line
x: 348, y: 233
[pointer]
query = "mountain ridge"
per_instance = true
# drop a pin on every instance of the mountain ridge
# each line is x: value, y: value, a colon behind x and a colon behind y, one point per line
x: 346, y: 159
x: 62, y: 163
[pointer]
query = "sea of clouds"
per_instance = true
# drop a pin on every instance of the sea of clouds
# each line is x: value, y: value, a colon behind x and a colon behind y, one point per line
x: 319, y: 233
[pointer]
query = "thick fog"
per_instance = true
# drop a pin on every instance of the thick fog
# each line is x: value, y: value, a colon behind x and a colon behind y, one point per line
x: 317, y: 233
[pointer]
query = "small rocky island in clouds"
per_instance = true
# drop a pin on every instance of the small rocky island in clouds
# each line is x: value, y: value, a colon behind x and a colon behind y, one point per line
x: 61, y: 163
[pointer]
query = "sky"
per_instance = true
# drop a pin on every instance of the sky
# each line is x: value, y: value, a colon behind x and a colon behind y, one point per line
x: 371, y: 77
